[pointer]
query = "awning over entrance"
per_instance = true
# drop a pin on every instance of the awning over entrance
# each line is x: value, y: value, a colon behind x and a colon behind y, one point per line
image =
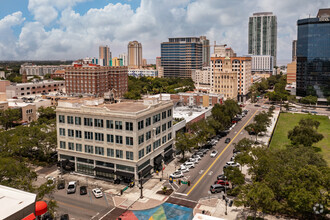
x: 105, y: 170
x: 146, y: 170
x: 121, y: 173
x: 168, y: 153
x: 158, y: 159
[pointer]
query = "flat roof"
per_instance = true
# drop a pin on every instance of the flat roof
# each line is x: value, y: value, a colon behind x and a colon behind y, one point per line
x: 188, y: 113
x: 14, y: 200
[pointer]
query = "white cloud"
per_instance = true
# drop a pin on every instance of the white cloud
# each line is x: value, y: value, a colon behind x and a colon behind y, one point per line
x: 76, y: 35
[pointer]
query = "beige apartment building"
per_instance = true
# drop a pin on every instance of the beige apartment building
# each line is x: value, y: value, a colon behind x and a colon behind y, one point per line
x: 118, y: 140
x: 104, y: 55
x: 134, y: 55
x: 291, y: 72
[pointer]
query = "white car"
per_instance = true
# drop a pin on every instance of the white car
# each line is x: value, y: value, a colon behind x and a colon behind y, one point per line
x: 97, y: 193
x: 194, y: 160
x: 183, y: 169
x: 176, y: 174
x: 214, y: 153
x: 189, y: 164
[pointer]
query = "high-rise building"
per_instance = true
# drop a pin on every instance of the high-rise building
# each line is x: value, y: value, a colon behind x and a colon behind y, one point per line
x: 181, y: 55
x: 262, y: 39
x: 205, y: 50
x: 104, y: 56
x: 134, y: 55
x: 291, y: 72
x: 294, y: 50
x: 262, y: 64
x: 119, y: 140
x: 116, y: 62
x: 96, y: 80
x: 123, y: 56
x: 313, y: 54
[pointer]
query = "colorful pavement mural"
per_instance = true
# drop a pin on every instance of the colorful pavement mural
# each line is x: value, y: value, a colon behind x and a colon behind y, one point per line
x: 166, y: 211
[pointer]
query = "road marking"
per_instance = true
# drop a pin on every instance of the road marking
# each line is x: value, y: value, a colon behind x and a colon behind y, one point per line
x: 201, y: 171
x: 210, y: 173
x: 192, y: 188
x: 180, y: 194
x: 107, y: 213
x: 183, y: 199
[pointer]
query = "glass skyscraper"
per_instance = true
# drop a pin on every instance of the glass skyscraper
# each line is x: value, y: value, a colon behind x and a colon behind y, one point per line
x: 181, y: 55
x: 262, y: 39
x: 313, y: 55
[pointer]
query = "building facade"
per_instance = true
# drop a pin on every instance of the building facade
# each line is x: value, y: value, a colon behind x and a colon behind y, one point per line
x: 313, y: 53
x: 123, y: 56
x: 262, y: 64
x: 39, y: 70
x: 196, y: 99
x: 104, y: 56
x: 294, y: 50
x: 96, y: 80
x: 142, y: 72
x: 134, y: 54
x: 205, y: 51
x: 262, y: 39
x: 116, y: 61
x: 291, y: 72
x: 115, y: 140
x: 203, y: 77
x: 179, y: 56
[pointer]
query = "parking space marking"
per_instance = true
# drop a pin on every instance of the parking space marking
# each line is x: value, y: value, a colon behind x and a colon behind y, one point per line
x: 192, y: 188
x: 201, y: 171
x: 210, y: 173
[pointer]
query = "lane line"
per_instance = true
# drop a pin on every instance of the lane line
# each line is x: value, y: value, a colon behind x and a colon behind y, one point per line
x: 192, y: 188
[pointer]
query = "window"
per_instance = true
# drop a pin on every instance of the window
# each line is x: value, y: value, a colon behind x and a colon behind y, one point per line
x: 157, y: 130
x: 110, y: 124
x: 119, y: 125
x: 99, y: 137
x: 164, y: 127
x: 71, y: 146
x: 141, y: 153
x: 88, y: 149
x: 78, y: 147
x: 77, y: 120
x: 129, y: 141
x: 110, y: 138
x: 88, y: 135
x: 88, y: 121
x: 119, y: 154
x: 70, y: 119
x: 141, y: 139
x: 98, y: 123
x: 78, y: 134
x: 62, y: 132
x: 62, y: 145
x: 163, y: 115
x: 70, y: 133
x: 169, y: 113
x: 156, y: 118
x: 61, y: 119
x: 99, y: 150
x: 169, y: 136
x: 156, y: 144
x: 169, y: 124
x: 110, y: 152
x: 129, y: 126
x: 140, y: 125
x: 148, y: 135
x: 129, y: 155
x: 119, y: 139
x: 164, y: 139
x: 148, y: 122
x: 148, y: 149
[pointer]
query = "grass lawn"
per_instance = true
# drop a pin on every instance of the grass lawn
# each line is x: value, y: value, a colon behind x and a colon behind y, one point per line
x: 287, y: 121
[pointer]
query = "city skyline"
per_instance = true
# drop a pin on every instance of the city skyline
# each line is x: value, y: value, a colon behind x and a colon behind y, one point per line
x: 74, y: 29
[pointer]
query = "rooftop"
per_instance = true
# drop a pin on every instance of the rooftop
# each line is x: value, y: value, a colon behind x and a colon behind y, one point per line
x: 14, y: 200
x: 189, y: 113
x: 323, y: 13
x: 262, y: 13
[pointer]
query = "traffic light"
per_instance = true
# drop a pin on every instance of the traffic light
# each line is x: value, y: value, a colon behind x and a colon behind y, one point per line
x: 223, y: 197
x: 121, y: 192
x: 179, y: 181
x: 188, y: 182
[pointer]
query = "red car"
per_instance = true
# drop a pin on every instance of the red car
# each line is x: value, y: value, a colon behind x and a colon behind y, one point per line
x: 222, y: 182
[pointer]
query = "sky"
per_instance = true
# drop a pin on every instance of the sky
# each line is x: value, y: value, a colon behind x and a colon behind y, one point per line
x: 73, y: 29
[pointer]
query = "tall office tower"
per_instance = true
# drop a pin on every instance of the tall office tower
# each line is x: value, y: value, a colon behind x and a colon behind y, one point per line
x: 205, y: 51
x: 123, y: 56
x: 181, y: 55
x: 263, y: 34
x: 104, y: 56
x: 313, y: 54
x: 134, y: 55
x: 294, y: 50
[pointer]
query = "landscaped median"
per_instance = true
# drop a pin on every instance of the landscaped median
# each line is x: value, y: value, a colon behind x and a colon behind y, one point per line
x: 288, y: 121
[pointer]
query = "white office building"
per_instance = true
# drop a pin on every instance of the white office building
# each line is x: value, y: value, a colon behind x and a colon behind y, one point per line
x: 262, y: 64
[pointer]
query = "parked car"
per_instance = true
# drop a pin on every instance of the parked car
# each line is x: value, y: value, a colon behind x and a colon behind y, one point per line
x: 222, y: 182
x: 194, y: 160
x: 235, y: 150
x: 232, y: 158
x: 221, y: 177
x: 201, y: 154
x: 176, y: 174
x: 227, y: 140
x: 97, y: 193
x: 71, y: 187
x: 61, y: 184
x: 83, y: 190
x: 256, y: 105
x: 183, y: 169
x: 64, y: 217
x: 231, y: 164
x: 217, y: 188
x: 189, y: 164
x: 213, y: 153
x: 313, y: 112
x: 195, y: 156
x: 306, y: 111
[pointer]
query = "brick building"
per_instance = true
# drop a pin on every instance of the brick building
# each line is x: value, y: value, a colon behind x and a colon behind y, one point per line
x: 96, y: 80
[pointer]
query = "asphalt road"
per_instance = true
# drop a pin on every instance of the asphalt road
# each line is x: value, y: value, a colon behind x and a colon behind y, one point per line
x: 81, y: 206
x: 205, y: 172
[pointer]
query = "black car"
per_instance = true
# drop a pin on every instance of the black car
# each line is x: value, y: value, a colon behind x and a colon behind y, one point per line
x: 227, y: 140
x: 221, y: 177
x: 64, y: 217
x: 256, y: 105
x: 83, y: 190
x: 61, y: 184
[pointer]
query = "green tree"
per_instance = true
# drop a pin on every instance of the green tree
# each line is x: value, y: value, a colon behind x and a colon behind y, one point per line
x: 202, y: 132
x: 262, y: 118
x: 305, y: 133
x: 9, y: 116
x: 184, y: 142
x: 235, y: 176
x: 309, y: 100
x: 256, y: 129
